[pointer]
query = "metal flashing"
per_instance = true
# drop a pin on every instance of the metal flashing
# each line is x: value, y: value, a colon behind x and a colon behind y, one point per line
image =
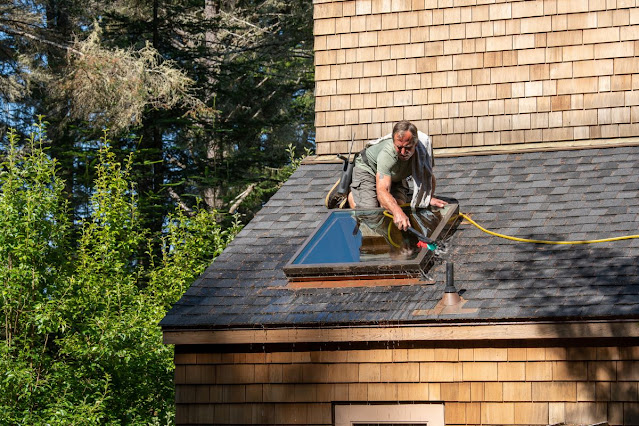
x: 365, y: 243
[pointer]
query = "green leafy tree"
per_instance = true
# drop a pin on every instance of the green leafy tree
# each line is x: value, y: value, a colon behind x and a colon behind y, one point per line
x: 191, y: 241
x: 107, y: 346
x: 33, y: 228
x: 80, y: 342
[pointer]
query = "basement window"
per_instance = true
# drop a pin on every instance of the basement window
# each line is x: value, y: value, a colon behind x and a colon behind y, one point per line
x: 366, y: 244
x: 388, y: 414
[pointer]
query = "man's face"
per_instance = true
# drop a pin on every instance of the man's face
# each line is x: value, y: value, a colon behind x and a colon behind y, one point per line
x: 404, y: 145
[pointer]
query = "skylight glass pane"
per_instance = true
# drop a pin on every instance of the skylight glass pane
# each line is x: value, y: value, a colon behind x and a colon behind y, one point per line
x: 334, y: 242
x: 364, y: 236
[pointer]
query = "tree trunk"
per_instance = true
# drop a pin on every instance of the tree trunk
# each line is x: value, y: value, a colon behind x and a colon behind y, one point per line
x: 210, y: 193
x: 152, y: 183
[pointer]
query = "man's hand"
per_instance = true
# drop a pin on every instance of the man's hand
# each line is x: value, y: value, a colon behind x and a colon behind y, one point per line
x: 401, y: 220
x: 386, y: 200
x: 436, y: 202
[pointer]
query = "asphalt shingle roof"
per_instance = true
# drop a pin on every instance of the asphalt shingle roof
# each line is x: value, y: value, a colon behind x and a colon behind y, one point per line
x: 560, y: 195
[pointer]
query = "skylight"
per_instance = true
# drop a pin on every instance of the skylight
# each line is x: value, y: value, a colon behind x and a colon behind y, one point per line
x: 366, y: 243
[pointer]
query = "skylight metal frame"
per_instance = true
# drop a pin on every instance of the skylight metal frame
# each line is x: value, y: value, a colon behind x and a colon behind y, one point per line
x: 371, y: 269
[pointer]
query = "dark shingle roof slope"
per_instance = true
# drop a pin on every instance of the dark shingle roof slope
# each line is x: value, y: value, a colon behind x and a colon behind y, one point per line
x: 560, y: 195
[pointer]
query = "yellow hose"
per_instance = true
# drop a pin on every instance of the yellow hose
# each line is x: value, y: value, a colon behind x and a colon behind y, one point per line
x: 390, y: 239
x: 390, y: 226
x: 526, y: 240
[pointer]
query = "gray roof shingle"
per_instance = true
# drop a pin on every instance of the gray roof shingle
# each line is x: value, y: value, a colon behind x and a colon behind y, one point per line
x: 560, y: 195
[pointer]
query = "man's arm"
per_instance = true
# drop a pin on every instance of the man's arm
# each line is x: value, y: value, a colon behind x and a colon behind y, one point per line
x: 436, y: 201
x: 386, y: 200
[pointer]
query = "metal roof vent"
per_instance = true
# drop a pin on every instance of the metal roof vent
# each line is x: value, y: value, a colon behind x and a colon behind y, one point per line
x: 451, y: 303
x: 451, y: 297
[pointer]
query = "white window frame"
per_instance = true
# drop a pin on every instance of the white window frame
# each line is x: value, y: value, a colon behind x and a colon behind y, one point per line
x: 427, y: 414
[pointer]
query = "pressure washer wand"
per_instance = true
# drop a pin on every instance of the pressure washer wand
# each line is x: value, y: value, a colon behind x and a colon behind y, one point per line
x: 424, y: 241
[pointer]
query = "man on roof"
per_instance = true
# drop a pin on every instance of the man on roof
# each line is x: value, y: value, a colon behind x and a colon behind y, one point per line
x: 382, y: 168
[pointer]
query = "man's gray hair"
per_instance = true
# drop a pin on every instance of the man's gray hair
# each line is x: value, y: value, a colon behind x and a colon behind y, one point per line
x: 402, y: 126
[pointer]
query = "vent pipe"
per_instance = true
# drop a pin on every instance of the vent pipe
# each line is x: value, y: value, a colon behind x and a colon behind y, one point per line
x: 451, y: 297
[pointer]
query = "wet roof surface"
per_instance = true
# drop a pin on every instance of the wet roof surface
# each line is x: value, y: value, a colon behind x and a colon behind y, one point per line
x: 575, y: 195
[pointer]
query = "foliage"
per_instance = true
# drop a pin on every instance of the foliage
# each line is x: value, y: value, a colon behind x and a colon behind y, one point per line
x: 208, y: 95
x: 80, y: 342
x: 210, y: 92
x: 261, y: 192
x: 190, y: 243
x: 113, y: 87
x: 32, y: 269
x: 264, y: 92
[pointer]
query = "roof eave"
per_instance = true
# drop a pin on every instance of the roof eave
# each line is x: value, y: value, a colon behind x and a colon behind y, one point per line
x: 457, y: 332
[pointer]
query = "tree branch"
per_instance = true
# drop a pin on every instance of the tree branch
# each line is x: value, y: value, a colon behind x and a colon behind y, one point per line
x: 238, y: 200
x: 187, y: 210
x: 42, y: 40
x: 177, y: 162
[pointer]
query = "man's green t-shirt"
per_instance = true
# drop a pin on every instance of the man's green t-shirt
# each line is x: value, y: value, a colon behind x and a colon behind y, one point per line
x: 382, y: 158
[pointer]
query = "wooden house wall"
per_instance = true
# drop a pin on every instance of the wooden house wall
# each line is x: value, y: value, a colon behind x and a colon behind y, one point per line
x: 476, y: 72
x: 489, y: 386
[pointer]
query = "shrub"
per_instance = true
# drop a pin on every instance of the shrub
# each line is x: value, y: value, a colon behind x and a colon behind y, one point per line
x: 80, y: 342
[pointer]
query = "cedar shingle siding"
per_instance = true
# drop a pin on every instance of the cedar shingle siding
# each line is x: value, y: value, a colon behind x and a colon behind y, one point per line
x: 491, y: 386
x: 476, y: 72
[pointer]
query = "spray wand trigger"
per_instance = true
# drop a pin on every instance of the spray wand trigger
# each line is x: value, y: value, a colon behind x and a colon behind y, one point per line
x: 431, y: 247
x: 424, y: 241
